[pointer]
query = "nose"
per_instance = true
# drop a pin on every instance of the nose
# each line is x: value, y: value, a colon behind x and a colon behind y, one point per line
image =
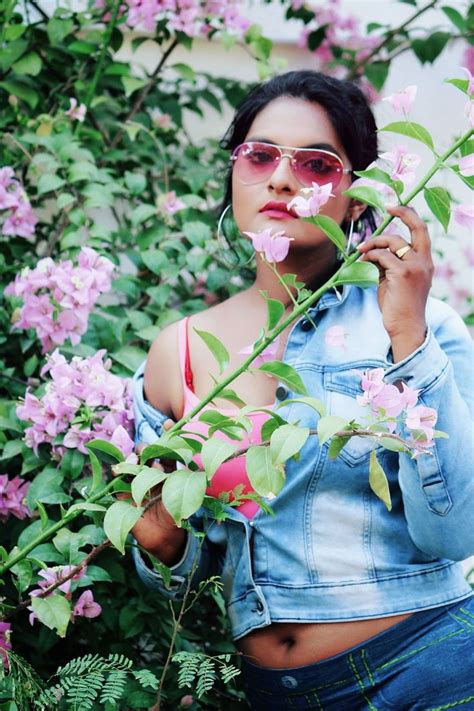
x: 282, y: 180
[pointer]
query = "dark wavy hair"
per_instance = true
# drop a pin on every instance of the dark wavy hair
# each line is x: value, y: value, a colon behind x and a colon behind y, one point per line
x: 345, y: 104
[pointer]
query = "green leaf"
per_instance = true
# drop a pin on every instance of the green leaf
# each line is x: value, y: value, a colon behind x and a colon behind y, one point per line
x: 119, y: 520
x: 363, y: 274
x: 286, y: 373
x: 185, y: 71
x: 135, y: 182
x: 183, y: 493
x: 313, y: 402
x: 168, y: 447
x: 378, y: 481
x: 439, y: 201
x: 455, y: 16
x: 86, y: 506
x: 132, y: 84
x: 367, y: 194
x: 105, y: 451
x: 145, y: 480
x: 381, y: 177
x: 217, y: 348
x: 64, y: 200
x: 58, y: 29
x: 22, y: 91
x: 231, y: 395
x: 48, y: 182
x: 155, y: 260
x: 336, y: 446
x: 429, y: 48
x: 329, y: 425
x: 377, y: 73
x: 275, y: 310
x: 331, y: 229
x: 266, y: 477
x: 392, y: 444
x: 214, y: 452
x: 53, y: 611
x: 96, y: 471
x: 411, y: 129
x: 461, y: 84
x: 12, y: 448
x: 129, y: 356
x: 142, y: 213
x: 30, y: 63
x: 286, y: 441
x: 43, y: 515
x: 198, y: 233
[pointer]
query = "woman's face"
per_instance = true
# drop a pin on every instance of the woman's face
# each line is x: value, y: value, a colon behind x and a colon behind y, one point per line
x: 298, y: 123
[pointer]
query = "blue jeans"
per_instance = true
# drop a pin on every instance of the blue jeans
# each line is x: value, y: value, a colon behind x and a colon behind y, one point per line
x: 425, y: 662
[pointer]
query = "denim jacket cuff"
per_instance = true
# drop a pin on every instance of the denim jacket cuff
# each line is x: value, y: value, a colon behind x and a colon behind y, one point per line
x: 179, y: 571
x: 421, y: 368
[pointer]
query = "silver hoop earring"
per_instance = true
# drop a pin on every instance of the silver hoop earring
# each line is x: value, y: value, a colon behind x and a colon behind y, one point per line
x: 349, y: 235
x: 228, y: 252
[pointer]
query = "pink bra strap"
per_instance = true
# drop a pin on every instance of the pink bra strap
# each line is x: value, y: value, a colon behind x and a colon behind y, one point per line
x: 184, y: 362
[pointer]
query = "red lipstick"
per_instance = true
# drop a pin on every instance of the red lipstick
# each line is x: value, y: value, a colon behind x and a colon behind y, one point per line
x: 278, y: 210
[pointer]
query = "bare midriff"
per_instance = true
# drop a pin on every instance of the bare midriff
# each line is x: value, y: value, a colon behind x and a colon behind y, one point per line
x: 289, y: 645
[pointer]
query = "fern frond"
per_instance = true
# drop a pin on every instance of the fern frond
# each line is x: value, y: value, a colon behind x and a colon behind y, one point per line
x: 83, y: 693
x: 114, y: 687
x: 146, y: 678
x: 26, y: 684
x: 206, y: 676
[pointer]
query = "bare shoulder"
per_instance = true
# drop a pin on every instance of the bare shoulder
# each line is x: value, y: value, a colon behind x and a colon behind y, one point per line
x: 162, y: 376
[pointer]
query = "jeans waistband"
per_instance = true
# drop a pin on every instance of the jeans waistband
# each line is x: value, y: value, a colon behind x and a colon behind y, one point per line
x: 383, y: 647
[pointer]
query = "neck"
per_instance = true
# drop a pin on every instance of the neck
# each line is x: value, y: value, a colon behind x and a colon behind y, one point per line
x: 313, y: 269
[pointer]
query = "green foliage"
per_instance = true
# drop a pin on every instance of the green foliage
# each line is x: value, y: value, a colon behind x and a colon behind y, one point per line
x: 200, y: 671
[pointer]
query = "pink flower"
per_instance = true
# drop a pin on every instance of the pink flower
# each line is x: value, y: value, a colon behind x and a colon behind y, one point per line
x: 21, y: 222
x: 464, y: 215
x: 160, y: 120
x: 423, y: 419
x: 122, y: 440
x: 171, y: 204
x: 409, y: 397
x: 466, y: 165
x: 12, y: 496
x: 387, y: 193
x: 402, y: 101
x: 470, y: 77
x: 269, y: 353
x: 86, y: 606
x: 469, y: 254
x: 75, y: 112
x: 5, y: 643
x: 273, y: 248
x: 404, y: 164
x: 186, y: 701
x: 308, y: 207
x: 335, y: 337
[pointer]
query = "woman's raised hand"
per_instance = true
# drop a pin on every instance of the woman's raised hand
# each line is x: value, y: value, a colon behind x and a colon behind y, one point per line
x: 405, y: 280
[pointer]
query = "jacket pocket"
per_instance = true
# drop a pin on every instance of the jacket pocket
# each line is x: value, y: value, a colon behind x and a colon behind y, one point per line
x: 341, y: 388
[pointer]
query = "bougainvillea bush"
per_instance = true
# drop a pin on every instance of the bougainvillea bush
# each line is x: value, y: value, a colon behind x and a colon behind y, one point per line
x: 107, y: 232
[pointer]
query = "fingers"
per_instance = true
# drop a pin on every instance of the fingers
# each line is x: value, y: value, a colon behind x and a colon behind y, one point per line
x: 420, y: 238
x: 385, y: 259
x: 384, y: 241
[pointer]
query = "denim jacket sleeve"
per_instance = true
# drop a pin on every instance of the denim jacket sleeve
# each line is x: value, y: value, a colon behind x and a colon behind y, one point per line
x: 148, y: 427
x: 438, y: 490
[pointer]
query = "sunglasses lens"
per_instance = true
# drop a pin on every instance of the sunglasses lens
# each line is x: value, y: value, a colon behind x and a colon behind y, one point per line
x: 253, y: 162
x: 317, y: 167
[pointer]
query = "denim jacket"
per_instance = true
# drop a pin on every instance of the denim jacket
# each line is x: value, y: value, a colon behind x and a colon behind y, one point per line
x: 332, y: 551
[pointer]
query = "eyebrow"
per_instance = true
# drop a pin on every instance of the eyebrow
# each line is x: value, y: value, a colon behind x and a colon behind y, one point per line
x: 317, y: 146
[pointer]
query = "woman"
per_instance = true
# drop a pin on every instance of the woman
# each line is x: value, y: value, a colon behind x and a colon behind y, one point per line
x: 335, y: 602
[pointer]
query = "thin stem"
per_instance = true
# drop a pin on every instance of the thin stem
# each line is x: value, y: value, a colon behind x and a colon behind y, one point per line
x: 356, y: 70
x: 144, y: 93
x: 288, y: 291
x: 77, y: 569
x: 333, y: 281
x: 63, y: 521
x: 100, y: 64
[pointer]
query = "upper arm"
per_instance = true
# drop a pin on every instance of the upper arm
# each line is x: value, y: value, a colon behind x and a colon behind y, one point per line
x: 162, y: 381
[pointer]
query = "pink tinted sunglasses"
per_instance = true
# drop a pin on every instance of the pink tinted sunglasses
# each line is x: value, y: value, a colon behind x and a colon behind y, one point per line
x: 255, y: 161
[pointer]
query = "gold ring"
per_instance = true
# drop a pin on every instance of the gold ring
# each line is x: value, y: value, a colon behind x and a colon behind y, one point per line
x: 400, y: 253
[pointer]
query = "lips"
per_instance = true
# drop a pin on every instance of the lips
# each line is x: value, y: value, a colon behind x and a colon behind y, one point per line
x: 278, y: 210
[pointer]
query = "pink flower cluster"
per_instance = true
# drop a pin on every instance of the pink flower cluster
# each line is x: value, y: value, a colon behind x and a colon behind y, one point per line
x: 191, y: 17
x: 12, y: 495
x: 82, y: 401
x: 272, y: 248
x: 5, y: 644
x: 343, y: 31
x: 389, y: 403
x: 58, y: 298
x: 21, y: 219
x: 85, y: 605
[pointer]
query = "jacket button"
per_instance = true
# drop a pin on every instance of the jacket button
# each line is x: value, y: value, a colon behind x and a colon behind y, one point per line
x: 259, y: 607
x: 281, y: 393
x: 306, y: 325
